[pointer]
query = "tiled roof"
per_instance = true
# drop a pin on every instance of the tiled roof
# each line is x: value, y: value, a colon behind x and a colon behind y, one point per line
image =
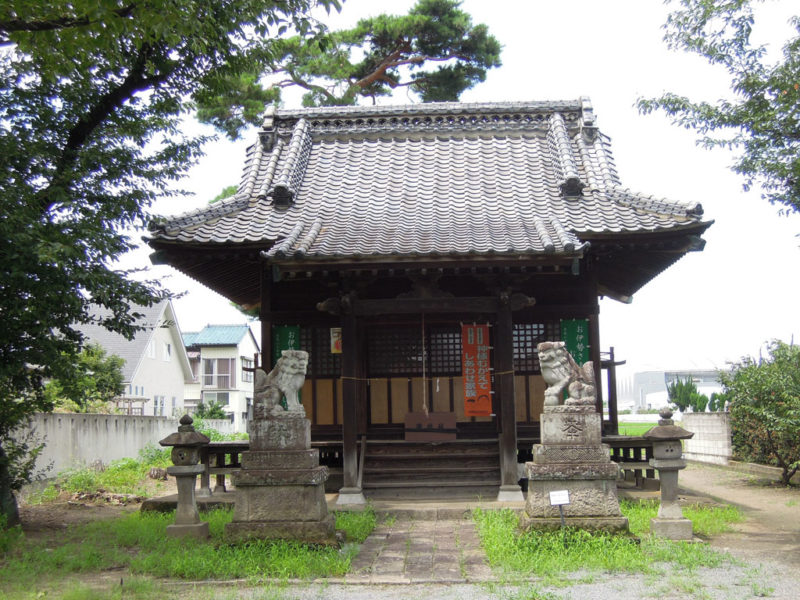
x: 218, y: 335
x: 443, y: 179
x: 131, y: 351
x: 189, y: 338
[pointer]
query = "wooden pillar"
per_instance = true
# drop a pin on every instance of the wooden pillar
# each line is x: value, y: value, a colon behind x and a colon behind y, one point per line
x: 594, y: 344
x: 510, y: 490
x: 265, y: 316
x: 350, y: 492
x: 613, y: 416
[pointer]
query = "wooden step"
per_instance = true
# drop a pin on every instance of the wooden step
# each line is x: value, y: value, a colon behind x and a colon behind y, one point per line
x: 432, y: 484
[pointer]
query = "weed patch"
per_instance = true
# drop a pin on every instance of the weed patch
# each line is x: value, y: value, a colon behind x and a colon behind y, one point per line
x: 137, y: 544
x: 548, y: 554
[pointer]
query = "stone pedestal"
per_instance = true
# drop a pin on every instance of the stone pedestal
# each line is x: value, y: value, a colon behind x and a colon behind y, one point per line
x: 667, y: 458
x: 280, y: 489
x: 187, y: 519
x: 571, y: 457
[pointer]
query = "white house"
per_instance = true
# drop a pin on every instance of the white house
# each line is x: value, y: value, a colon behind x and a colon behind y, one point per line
x: 219, y: 356
x: 156, y: 366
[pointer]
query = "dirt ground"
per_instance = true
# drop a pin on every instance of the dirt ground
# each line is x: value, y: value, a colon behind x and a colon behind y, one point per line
x: 771, y: 529
x: 42, y: 519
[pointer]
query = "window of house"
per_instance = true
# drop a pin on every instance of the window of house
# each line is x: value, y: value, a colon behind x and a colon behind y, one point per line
x: 167, y: 352
x: 151, y: 349
x: 220, y: 397
x: 158, y: 406
x: 247, y: 363
x: 218, y: 372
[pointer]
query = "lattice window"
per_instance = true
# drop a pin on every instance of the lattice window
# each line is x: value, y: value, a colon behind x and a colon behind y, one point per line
x: 397, y: 351
x: 394, y: 351
x: 526, y: 337
x: 323, y: 362
x: 444, y: 350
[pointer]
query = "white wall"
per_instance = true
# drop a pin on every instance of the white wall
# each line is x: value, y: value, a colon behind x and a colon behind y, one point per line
x: 160, y: 376
x: 81, y: 439
x: 712, y: 437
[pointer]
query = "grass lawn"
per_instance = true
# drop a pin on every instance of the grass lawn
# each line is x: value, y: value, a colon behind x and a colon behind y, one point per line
x: 135, y: 548
x: 555, y: 554
x: 635, y: 428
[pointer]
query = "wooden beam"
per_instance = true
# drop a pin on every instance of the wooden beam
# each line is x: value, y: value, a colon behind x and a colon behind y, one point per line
x: 395, y: 306
x: 504, y: 379
x: 350, y: 393
x: 264, y: 318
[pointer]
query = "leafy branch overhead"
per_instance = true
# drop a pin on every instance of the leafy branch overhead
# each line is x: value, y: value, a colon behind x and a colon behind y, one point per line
x: 762, y: 120
x: 434, y: 51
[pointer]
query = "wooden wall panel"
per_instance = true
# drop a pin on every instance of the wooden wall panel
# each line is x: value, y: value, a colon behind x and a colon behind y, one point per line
x: 537, y: 386
x: 458, y: 400
x: 520, y: 400
x: 441, y: 397
x: 416, y: 394
x: 399, y: 400
x: 324, y: 402
x: 378, y: 401
x: 307, y: 399
x: 339, y: 395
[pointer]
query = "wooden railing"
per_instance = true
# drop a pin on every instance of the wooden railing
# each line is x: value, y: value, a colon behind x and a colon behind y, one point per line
x: 223, y: 458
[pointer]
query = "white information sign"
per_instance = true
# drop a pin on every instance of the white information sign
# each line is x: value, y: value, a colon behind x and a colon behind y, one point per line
x: 559, y: 497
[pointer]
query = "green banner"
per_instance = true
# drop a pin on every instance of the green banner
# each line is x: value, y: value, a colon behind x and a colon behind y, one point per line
x: 575, y: 334
x: 284, y: 337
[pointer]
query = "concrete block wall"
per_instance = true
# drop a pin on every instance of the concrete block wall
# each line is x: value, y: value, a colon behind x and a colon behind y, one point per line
x: 80, y: 439
x: 712, y: 437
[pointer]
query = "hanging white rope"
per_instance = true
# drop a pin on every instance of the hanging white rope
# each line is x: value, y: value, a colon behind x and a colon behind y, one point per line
x: 424, y: 382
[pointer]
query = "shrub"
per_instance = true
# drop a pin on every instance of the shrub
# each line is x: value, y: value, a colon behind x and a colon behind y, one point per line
x: 764, y: 399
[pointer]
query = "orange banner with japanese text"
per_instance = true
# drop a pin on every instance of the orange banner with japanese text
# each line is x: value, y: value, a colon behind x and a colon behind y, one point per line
x: 476, y: 371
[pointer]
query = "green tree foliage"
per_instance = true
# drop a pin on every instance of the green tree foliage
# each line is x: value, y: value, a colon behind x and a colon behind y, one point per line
x: 764, y: 399
x: 762, y: 120
x: 212, y: 410
x: 91, y: 97
x: 684, y: 395
x: 91, y: 385
x: 435, y: 51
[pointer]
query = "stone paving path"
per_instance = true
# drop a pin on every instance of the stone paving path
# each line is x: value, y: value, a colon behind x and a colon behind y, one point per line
x: 408, y: 550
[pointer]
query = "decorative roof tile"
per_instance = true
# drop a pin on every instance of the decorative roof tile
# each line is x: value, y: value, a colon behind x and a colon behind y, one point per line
x: 442, y: 179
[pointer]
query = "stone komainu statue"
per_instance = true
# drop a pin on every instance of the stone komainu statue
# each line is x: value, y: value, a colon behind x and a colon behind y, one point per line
x: 285, y: 379
x: 562, y: 373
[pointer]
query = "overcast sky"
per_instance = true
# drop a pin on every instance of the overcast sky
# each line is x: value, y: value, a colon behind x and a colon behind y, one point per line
x: 710, y: 307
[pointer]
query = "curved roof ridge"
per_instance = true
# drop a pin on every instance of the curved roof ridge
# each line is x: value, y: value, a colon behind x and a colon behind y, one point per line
x: 282, y: 249
x: 564, y: 161
x: 653, y: 204
x: 294, y: 167
x: 426, y: 108
x: 204, y: 214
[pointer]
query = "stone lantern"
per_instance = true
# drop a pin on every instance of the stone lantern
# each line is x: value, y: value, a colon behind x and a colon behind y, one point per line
x: 667, y: 450
x: 186, y: 444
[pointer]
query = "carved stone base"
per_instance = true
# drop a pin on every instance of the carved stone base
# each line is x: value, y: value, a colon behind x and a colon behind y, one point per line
x: 280, y: 490
x: 195, y: 530
x: 311, y: 532
x: 671, y: 529
x: 592, y: 523
x: 592, y: 490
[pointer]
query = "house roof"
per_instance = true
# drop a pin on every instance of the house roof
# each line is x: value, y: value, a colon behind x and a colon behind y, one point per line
x: 132, y: 351
x: 217, y: 335
x: 426, y: 181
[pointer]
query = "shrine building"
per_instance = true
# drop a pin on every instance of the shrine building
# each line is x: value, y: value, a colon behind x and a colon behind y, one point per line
x: 419, y: 254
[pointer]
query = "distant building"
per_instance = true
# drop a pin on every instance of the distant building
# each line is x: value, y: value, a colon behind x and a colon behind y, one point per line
x: 156, y: 365
x: 219, y: 356
x: 649, y: 388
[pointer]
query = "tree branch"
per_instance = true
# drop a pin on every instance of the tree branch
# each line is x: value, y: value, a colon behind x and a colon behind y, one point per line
x: 98, y: 114
x: 14, y: 25
x: 389, y: 63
